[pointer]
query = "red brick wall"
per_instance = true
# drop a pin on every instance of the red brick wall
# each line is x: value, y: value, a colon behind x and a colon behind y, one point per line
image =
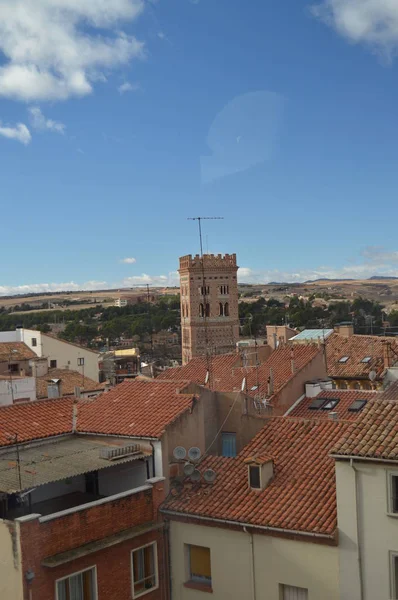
x: 41, y: 540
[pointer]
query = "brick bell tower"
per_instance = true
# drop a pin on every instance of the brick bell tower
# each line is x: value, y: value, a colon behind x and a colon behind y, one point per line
x: 209, y: 304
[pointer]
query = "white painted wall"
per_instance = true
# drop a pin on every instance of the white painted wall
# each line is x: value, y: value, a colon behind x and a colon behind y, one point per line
x: 277, y: 561
x: 378, y: 530
x: 10, y: 562
x: 20, y: 388
x: 10, y: 336
x: 67, y: 356
x: 26, y: 336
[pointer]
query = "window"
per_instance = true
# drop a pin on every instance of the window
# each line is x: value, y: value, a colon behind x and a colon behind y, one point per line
x: 199, y: 565
x: 229, y: 444
x: 254, y: 477
x: 317, y: 403
x: 357, y: 405
x: 53, y: 364
x: 221, y: 308
x: 343, y: 359
x: 207, y: 309
x: 201, y: 310
x: 394, y: 574
x: 79, y: 586
x: 144, y: 569
x: 366, y: 359
x: 290, y: 592
x: 80, y: 362
x: 226, y: 309
x: 13, y: 368
x: 34, y: 341
x: 393, y: 493
x: 330, y: 403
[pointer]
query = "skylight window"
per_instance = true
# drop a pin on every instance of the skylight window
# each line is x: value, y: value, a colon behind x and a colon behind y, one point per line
x: 343, y: 359
x: 254, y: 388
x: 367, y: 359
x: 330, y: 403
x: 317, y: 403
x: 357, y: 405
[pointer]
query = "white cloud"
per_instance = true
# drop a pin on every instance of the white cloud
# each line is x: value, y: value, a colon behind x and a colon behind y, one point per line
x: 51, y: 55
x: 19, y: 132
x: 128, y: 261
x: 128, y: 87
x: 144, y: 279
x: 379, y: 254
x: 40, y: 123
x: 374, y: 22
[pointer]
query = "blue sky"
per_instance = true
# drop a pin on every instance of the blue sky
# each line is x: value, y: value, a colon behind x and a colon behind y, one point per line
x: 120, y: 119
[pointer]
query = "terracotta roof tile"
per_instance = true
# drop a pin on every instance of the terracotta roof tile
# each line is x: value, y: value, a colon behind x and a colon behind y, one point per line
x: 35, y: 420
x: 346, y: 398
x: 374, y: 435
x: 15, y: 351
x: 391, y: 393
x: 137, y: 408
x: 69, y: 380
x: 302, y: 495
x: 228, y: 374
x: 357, y: 348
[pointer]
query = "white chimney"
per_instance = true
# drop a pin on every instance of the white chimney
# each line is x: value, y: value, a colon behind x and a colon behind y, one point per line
x: 312, y: 389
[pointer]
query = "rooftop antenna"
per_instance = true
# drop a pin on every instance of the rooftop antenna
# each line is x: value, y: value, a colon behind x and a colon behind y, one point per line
x: 206, y: 305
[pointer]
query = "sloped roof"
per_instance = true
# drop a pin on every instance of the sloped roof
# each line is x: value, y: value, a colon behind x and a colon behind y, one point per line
x: 357, y: 348
x: 69, y: 380
x: 15, y: 351
x: 374, y: 435
x: 227, y: 375
x: 346, y: 399
x: 141, y: 408
x: 302, y: 495
x: 391, y: 393
x: 35, y: 420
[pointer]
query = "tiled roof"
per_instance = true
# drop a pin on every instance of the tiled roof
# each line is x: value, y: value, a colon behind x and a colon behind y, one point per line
x: 391, y: 393
x: 69, y: 380
x: 357, y: 348
x: 35, y: 420
x: 137, y: 408
x: 15, y: 351
x: 374, y: 435
x: 346, y: 399
x: 302, y: 495
x: 227, y: 374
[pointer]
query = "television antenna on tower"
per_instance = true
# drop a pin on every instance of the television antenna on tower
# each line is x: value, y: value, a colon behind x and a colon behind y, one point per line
x: 199, y: 220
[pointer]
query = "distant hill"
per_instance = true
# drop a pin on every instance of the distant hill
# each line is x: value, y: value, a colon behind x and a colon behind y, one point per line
x: 327, y: 279
x: 375, y: 277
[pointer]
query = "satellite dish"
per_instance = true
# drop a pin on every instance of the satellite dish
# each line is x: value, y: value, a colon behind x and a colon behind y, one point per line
x: 196, y: 476
x: 243, y: 384
x: 372, y: 375
x: 207, y: 377
x: 194, y: 453
x: 189, y: 468
x: 179, y: 453
x: 210, y: 475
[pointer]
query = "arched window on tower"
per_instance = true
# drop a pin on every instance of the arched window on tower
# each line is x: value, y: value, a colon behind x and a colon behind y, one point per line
x: 226, y: 309
x: 183, y: 310
x: 186, y: 310
x: 201, y: 310
x: 221, y: 309
x: 207, y: 309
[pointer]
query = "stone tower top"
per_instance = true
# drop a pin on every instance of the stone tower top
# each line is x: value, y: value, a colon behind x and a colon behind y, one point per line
x: 210, y: 261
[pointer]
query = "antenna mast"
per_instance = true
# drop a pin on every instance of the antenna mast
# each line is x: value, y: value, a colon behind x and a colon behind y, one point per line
x: 205, y: 303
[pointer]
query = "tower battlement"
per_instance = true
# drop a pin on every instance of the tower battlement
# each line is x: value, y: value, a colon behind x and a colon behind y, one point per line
x: 210, y: 261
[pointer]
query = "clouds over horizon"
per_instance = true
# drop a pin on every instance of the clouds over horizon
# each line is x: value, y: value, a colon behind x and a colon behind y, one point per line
x: 376, y: 260
x: 372, y: 22
x: 50, y: 52
x: 18, y: 132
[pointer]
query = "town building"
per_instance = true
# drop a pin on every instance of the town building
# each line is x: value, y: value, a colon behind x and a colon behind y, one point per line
x: 119, y: 364
x: 367, y: 491
x: 278, y: 335
x: 58, y: 353
x: 78, y: 513
x: 59, y: 383
x: 132, y: 299
x: 263, y: 524
x: 322, y: 402
x: 209, y: 305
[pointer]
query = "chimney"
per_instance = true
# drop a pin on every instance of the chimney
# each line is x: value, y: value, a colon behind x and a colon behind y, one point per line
x: 293, y: 366
x: 54, y: 388
x: 74, y: 417
x: 312, y: 389
x: 345, y: 329
x: 386, y: 355
x: 78, y: 391
x: 260, y: 471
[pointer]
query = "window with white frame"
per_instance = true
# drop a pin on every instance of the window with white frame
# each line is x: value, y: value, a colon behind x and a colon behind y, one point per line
x: 393, y: 492
x: 394, y: 574
x: 199, y: 565
x: 79, y: 586
x: 144, y: 569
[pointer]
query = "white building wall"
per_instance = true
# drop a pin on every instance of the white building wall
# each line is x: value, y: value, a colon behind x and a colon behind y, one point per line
x: 11, y: 575
x: 19, y: 388
x: 27, y: 335
x: 9, y: 336
x: 378, y: 530
x: 277, y: 562
x: 67, y: 356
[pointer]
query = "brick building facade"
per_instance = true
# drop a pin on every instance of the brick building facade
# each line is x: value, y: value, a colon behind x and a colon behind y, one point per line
x: 209, y: 304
